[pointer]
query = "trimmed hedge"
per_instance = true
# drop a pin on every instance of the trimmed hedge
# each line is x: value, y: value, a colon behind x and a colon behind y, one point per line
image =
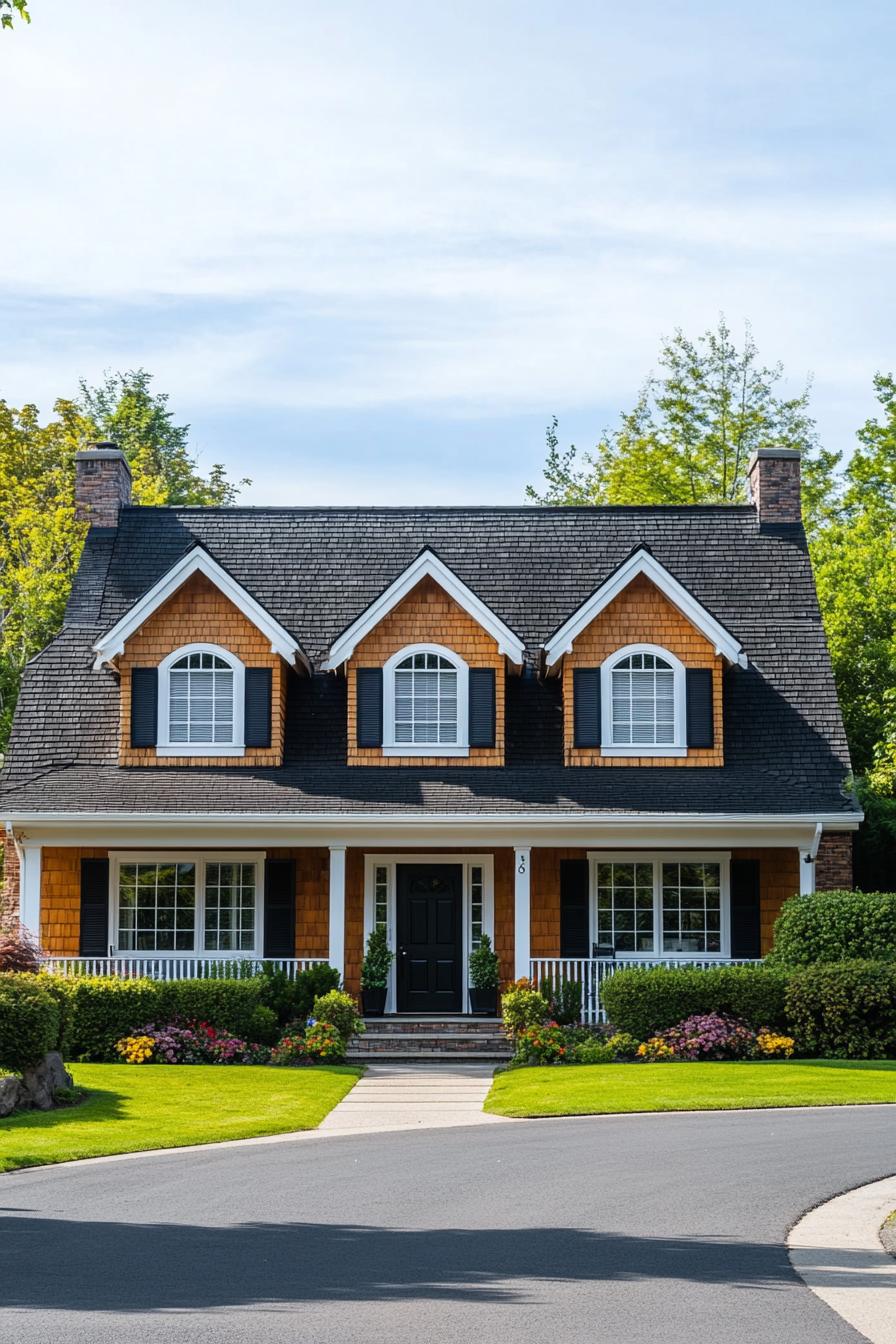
x: 836, y: 926
x: 646, y: 1001
x: 29, y: 1021
x: 844, y: 1010
x: 96, y: 1011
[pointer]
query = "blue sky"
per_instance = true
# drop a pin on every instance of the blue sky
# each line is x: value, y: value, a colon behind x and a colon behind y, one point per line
x: 369, y: 250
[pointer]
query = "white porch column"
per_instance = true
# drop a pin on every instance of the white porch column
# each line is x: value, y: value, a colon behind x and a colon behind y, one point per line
x: 521, y: 912
x: 807, y: 872
x: 807, y: 863
x: 337, y: 908
x: 29, y: 889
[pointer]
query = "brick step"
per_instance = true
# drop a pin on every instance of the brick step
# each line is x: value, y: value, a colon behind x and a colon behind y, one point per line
x: 411, y: 1025
x: 460, y: 1044
x: 430, y: 1056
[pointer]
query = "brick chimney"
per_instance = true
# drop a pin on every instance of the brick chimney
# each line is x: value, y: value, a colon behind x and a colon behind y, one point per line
x: 102, y: 484
x: 773, y: 477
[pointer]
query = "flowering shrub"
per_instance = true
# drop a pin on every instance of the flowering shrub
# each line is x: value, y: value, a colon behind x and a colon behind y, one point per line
x: 769, y: 1045
x: 290, y: 1049
x: 703, y: 1036
x: 655, y: 1051
x: 623, y: 1045
x: 542, y: 1044
x: 523, y: 1007
x: 341, y: 1011
x: 135, y: 1049
x: 323, y: 1041
x: 195, y: 1043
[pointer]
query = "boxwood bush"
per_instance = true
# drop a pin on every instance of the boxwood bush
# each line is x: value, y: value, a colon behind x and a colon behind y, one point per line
x: 646, y: 1001
x: 843, y: 1010
x: 29, y: 1022
x: 836, y: 926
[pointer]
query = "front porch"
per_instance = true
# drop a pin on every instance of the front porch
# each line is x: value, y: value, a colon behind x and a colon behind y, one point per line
x: 552, y: 910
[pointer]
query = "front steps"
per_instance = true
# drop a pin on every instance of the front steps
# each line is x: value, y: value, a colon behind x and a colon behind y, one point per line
x: 410, y: 1040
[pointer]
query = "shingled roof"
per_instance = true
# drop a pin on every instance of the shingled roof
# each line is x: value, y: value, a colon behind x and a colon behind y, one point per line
x: 315, y: 570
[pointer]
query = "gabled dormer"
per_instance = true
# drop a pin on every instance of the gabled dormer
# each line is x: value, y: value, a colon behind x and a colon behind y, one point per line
x: 642, y: 662
x: 202, y: 668
x: 425, y: 664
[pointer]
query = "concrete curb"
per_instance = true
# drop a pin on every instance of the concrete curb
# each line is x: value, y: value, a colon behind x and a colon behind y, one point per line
x: 837, y: 1251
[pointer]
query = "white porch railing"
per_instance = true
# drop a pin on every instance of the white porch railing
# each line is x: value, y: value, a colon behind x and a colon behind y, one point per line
x: 177, y: 968
x: 591, y: 972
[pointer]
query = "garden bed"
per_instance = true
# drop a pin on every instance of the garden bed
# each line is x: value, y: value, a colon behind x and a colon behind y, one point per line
x: 130, y: 1109
x: 620, y: 1088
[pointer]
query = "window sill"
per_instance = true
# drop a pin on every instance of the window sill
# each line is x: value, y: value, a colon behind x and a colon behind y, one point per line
x: 200, y: 749
x: 413, y: 750
x: 644, y: 750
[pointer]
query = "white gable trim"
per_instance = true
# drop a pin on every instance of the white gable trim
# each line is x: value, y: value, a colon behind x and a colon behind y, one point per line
x: 426, y: 565
x: 642, y: 562
x: 197, y: 561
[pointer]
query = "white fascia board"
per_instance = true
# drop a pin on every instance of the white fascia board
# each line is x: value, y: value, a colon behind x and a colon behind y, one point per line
x: 197, y: 561
x: 642, y: 562
x: 375, y: 830
x: 426, y: 565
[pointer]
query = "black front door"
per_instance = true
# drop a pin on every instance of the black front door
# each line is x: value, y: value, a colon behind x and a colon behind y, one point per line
x: 429, y: 937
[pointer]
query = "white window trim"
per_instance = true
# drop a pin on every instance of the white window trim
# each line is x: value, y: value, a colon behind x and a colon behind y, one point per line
x: 642, y: 562
x: 658, y: 858
x: 465, y: 861
x: 608, y: 747
x: 426, y: 565
x: 393, y: 748
x: 237, y: 747
x: 197, y: 561
x: 201, y: 859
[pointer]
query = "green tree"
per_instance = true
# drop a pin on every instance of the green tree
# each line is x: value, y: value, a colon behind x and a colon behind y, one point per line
x: 124, y: 409
x: 9, y: 9
x: 691, y: 433
x: 40, y: 540
x: 854, y: 558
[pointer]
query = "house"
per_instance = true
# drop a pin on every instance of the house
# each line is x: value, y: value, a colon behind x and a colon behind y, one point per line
x: 597, y: 734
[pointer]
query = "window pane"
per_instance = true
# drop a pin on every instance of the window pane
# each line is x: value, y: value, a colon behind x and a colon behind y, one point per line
x: 230, y: 907
x: 643, y: 703
x: 425, y: 703
x: 691, y: 907
x: 625, y: 912
x: 155, y: 899
x: 200, y: 700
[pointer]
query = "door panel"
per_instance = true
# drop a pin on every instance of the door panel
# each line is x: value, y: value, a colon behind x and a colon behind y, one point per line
x: 430, y: 960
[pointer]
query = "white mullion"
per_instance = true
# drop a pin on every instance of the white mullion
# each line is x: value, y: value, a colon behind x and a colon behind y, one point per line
x: 657, y: 907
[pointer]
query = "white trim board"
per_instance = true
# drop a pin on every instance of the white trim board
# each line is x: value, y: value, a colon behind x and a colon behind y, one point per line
x: 426, y: 565
x: 197, y: 561
x: 376, y: 830
x: 641, y: 562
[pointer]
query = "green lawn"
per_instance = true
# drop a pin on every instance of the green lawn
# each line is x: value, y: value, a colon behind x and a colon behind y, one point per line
x: 615, y: 1088
x: 130, y: 1107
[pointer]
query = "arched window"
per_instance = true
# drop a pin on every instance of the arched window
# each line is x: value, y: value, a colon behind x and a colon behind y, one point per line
x: 642, y: 699
x: 201, y: 690
x: 425, y: 710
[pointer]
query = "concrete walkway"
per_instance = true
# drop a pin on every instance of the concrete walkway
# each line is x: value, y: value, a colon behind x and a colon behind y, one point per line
x: 414, y: 1096
x: 836, y: 1249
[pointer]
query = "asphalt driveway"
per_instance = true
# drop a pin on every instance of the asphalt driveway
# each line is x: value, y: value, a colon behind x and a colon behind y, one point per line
x: 620, y: 1229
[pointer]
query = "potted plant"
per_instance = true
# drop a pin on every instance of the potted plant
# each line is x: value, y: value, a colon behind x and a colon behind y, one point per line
x: 375, y: 974
x: 484, y: 979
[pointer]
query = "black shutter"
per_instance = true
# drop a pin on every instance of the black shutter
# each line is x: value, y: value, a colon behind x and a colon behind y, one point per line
x: 279, y: 908
x: 144, y: 706
x: 745, y: 924
x: 586, y: 706
x: 94, y: 940
x: 574, y: 908
x: 699, y: 697
x: 369, y: 686
x: 257, y: 725
x: 482, y: 706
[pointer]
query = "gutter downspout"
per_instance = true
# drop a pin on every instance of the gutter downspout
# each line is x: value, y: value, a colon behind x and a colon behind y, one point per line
x: 807, y: 863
